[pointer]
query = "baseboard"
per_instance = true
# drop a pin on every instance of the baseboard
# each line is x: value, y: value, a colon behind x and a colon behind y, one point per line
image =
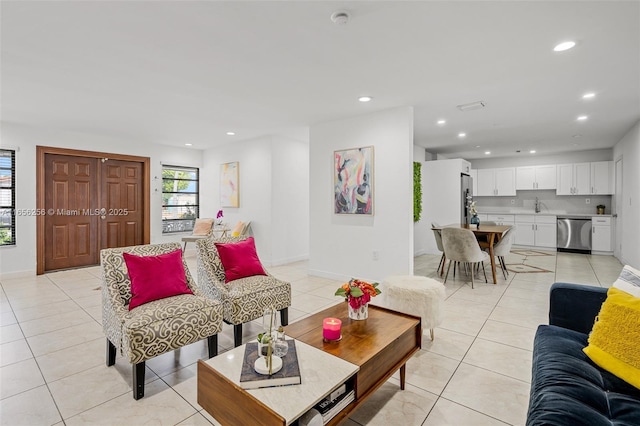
x: 19, y: 274
x: 289, y: 260
x: 419, y: 253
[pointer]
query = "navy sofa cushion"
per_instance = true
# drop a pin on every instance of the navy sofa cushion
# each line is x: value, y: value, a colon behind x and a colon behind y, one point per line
x: 568, y: 389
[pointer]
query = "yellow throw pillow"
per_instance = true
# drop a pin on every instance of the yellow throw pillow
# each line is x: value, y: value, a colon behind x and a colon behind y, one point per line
x: 237, y: 229
x: 614, y: 342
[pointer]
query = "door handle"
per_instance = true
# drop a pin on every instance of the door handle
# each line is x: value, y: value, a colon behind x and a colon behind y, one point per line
x: 593, y: 230
x: 614, y: 215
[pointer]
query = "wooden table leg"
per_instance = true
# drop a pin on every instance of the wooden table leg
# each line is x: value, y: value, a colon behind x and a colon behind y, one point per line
x: 493, y: 259
x: 403, y: 372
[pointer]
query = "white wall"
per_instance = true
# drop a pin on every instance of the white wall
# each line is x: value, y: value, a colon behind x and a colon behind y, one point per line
x: 629, y: 218
x: 538, y: 160
x: 341, y: 246
x: 274, y: 195
x: 441, y: 196
x: 21, y: 258
x: 290, y: 201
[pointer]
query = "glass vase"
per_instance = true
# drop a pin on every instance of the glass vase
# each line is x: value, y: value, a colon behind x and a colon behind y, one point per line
x: 360, y: 313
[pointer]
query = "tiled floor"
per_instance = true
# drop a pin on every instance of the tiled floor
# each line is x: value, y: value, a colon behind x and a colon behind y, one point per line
x: 476, y: 372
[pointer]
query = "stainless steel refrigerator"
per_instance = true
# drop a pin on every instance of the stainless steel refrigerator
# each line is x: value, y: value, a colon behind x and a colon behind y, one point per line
x: 466, y: 192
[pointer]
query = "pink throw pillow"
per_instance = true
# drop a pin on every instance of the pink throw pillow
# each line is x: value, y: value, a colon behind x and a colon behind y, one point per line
x: 155, y: 277
x: 240, y: 259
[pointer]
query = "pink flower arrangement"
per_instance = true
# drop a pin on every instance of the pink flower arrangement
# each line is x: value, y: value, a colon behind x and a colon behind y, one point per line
x: 219, y: 215
x: 358, y: 293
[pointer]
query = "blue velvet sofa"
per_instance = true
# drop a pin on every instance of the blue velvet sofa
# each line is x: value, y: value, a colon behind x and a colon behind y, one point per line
x: 566, y: 387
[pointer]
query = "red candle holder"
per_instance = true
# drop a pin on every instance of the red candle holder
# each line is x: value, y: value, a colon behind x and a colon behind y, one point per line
x: 331, y: 330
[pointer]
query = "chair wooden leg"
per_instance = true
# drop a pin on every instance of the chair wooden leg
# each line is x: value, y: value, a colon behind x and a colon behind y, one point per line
x: 503, y: 266
x: 111, y: 353
x: 237, y: 335
x: 284, y: 316
x: 212, y: 345
x: 485, y: 273
x: 454, y: 271
x: 440, y: 264
x: 472, y: 281
x: 138, y: 380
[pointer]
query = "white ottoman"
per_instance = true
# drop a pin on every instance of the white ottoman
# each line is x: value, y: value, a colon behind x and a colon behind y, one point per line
x: 415, y: 295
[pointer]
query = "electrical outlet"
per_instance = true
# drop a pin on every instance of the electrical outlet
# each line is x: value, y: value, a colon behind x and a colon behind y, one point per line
x: 513, y: 201
x: 587, y: 200
x: 375, y: 255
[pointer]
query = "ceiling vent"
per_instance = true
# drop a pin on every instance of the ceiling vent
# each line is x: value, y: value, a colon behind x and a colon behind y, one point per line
x: 471, y: 106
x: 340, y: 17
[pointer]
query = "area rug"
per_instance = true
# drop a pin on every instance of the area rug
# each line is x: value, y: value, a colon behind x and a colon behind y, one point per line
x: 524, y: 269
x: 530, y: 253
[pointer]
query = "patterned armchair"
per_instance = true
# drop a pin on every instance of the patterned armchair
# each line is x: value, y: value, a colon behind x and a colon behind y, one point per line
x: 156, y: 327
x: 243, y: 299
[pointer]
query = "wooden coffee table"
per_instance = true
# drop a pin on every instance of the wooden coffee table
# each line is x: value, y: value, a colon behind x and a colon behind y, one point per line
x: 379, y: 345
x: 376, y: 347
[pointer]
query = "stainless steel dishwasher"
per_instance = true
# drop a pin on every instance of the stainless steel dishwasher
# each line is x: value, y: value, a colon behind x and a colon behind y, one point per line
x: 574, y: 234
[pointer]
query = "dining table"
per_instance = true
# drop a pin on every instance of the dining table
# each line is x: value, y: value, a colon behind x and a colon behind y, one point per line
x: 493, y: 234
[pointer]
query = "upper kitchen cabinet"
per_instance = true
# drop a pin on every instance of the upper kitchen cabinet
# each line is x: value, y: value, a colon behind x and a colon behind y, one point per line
x: 574, y: 179
x: 602, y: 177
x: 585, y: 178
x: 536, y: 177
x: 496, y: 182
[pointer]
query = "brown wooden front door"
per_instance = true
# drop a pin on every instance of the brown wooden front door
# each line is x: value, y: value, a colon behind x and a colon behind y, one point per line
x: 90, y: 202
x: 121, y: 199
x: 71, y: 228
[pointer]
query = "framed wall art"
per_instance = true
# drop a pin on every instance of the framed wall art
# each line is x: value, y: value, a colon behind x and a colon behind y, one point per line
x: 353, y: 181
x: 229, y: 185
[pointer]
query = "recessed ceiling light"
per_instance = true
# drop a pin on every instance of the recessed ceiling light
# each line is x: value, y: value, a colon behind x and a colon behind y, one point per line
x: 487, y: 152
x: 582, y: 117
x: 589, y: 95
x: 577, y: 136
x: 231, y: 133
x: 441, y: 122
x: 188, y: 144
x: 365, y: 98
x: 565, y: 45
x: 533, y: 151
x: 462, y: 135
x: 477, y: 146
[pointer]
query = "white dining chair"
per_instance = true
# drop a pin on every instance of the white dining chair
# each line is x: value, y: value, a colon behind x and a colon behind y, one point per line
x: 461, y: 245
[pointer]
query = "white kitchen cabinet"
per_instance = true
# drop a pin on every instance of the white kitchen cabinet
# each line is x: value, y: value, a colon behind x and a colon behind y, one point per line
x: 474, y: 180
x: 496, y: 182
x: 536, y: 177
x: 534, y: 230
x: 602, y: 177
x: 573, y: 179
x: 601, y: 239
x: 501, y: 219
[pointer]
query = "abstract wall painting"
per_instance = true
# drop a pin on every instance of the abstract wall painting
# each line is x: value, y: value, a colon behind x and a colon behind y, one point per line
x: 229, y: 189
x: 353, y: 181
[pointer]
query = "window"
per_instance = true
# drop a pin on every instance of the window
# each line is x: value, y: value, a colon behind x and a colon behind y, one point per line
x: 7, y: 197
x: 180, y: 198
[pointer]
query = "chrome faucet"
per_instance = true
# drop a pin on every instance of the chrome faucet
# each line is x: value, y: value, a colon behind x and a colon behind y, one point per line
x: 537, y: 207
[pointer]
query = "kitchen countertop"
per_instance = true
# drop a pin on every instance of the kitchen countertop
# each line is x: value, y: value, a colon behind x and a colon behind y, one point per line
x: 543, y: 213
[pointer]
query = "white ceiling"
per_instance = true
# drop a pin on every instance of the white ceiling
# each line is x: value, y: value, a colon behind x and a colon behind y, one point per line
x: 187, y: 72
